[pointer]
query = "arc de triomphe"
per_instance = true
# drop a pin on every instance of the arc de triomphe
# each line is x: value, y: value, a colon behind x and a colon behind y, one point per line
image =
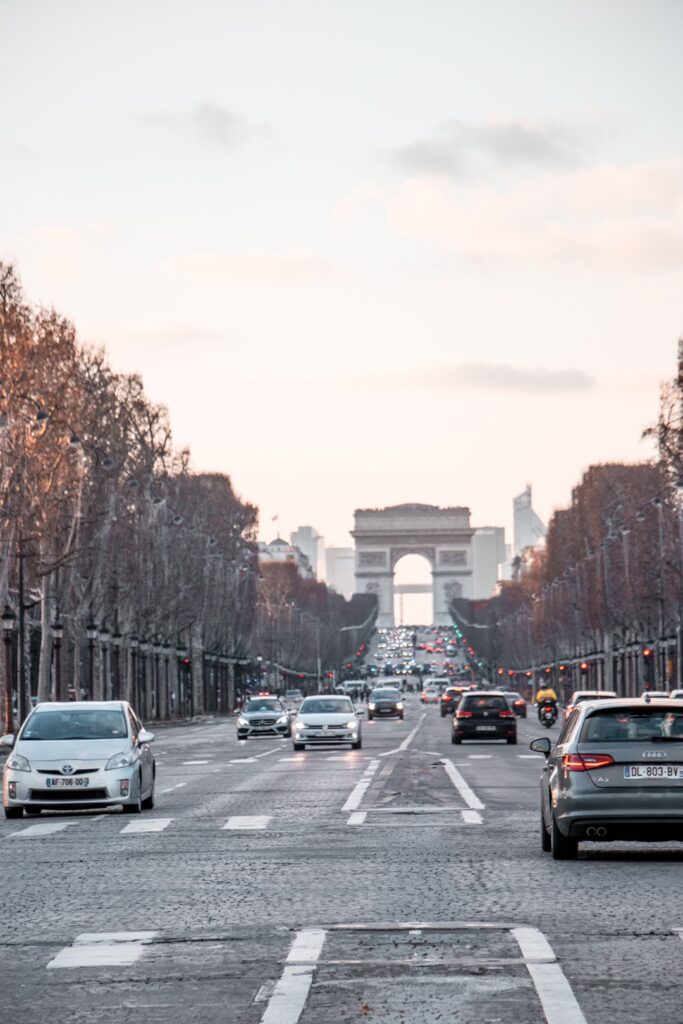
x: 443, y: 535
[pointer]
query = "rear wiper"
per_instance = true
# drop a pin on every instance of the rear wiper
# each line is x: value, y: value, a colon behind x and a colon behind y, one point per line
x: 667, y: 739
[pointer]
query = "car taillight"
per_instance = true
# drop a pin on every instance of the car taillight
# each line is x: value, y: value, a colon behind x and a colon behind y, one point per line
x: 447, y: 696
x: 506, y: 714
x: 585, y: 762
x: 463, y: 714
x: 518, y: 703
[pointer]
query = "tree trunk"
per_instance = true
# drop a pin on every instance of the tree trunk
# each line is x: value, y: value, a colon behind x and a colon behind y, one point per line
x: 44, y: 663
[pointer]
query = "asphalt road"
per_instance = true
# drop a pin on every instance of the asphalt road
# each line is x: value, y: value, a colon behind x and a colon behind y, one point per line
x: 402, y: 883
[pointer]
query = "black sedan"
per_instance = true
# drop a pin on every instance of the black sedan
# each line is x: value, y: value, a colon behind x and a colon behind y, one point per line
x: 484, y: 716
x: 385, y: 702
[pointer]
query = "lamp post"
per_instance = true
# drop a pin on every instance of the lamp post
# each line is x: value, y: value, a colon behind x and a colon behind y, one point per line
x: 144, y: 649
x: 8, y: 623
x: 181, y: 698
x: 57, y: 631
x: 105, y: 638
x: 91, y: 633
x: 134, y: 689
x: 116, y: 642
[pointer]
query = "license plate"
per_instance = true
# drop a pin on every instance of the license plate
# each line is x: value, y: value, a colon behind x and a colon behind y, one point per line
x: 262, y: 728
x: 653, y: 771
x: 485, y: 728
x: 82, y: 781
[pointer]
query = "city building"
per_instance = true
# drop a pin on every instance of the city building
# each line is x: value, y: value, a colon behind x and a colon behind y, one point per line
x: 340, y: 570
x: 280, y: 551
x: 488, y: 556
x: 308, y: 540
x: 528, y: 528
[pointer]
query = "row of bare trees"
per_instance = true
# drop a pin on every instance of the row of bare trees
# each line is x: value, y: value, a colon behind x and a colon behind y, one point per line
x: 125, y: 573
x: 602, y: 602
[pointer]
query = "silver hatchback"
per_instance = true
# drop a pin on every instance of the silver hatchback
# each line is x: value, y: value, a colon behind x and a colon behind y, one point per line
x: 79, y: 754
x: 615, y: 773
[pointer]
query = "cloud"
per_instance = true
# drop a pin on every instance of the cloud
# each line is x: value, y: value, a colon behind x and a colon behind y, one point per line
x: 460, y: 150
x: 208, y: 122
x: 497, y: 377
x: 258, y: 265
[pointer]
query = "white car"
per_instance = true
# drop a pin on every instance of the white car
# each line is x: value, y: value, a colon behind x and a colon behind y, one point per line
x: 326, y: 718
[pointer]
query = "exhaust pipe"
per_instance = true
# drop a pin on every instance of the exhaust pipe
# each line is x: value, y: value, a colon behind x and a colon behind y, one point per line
x: 600, y: 832
x: 591, y: 831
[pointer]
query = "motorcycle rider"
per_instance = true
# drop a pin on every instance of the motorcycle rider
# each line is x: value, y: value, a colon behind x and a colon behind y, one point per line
x: 545, y: 695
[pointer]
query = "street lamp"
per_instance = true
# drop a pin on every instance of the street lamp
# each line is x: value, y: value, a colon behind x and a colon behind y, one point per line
x: 116, y: 641
x: 8, y: 622
x: 105, y: 637
x: 57, y: 631
x: 134, y: 689
x: 91, y: 633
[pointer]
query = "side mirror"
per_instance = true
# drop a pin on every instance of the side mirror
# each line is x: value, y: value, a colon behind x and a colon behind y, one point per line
x: 145, y: 737
x: 7, y: 740
x: 541, y: 746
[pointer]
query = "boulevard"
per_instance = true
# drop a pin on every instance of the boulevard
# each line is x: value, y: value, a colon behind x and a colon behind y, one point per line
x: 402, y: 882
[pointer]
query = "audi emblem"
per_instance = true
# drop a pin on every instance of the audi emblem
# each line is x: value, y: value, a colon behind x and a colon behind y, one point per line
x: 654, y: 753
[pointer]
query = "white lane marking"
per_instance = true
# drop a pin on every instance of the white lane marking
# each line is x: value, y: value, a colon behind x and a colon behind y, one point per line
x: 407, y: 741
x: 289, y: 995
x: 267, y: 752
x: 179, y: 785
x: 357, y: 818
x: 243, y: 760
x: 45, y: 828
x: 195, y: 762
x: 529, y: 757
x: 361, y: 788
x: 147, y: 825
x: 463, y: 789
x: 472, y: 817
x: 250, y: 823
x: 298, y: 759
x: 557, y: 999
x: 102, y: 949
x: 479, y: 757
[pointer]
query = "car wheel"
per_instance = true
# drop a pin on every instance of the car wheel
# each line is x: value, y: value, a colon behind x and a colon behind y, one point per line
x: 401, y: 717
x: 562, y: 847
x: 357, y: 745
x: 14, y: 812
x: 148, y: 803
x: 298, y: 746
x: 370, y: 717
x: 512, y: 740
x: 455, y: 739
x: 545, y: 836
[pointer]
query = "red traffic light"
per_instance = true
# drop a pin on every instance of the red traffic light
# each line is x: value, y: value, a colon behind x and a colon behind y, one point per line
x: 647, y: 652
x: 584, y: 666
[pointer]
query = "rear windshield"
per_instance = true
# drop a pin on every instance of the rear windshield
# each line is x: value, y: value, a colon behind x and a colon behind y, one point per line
x: 633, y: 725
x: 484, y: 703
x: 326, y: 706
x: 88, y: 724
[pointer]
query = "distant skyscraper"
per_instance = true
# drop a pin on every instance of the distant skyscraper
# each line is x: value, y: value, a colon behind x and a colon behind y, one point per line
x: 308, y: 540
x: 340, y: 570
x: 529, y: 529
x: 488, y: 554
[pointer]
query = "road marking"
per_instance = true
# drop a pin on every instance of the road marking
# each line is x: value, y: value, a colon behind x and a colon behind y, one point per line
x: 479, y: 757
x: 265, y: 753
x: 357, y: 818
x: 529, y: 757
x: 361, y: 788
x: 472, y: 817
x: 45, y: 828
x: 463, y: 789
x: 147, y: 825
x: 247, y: 823
x: 557, y: 999
x: 298, y: 759
x: 195, y: 762
x: 407, y: 741
x: 289, y: 995
x: 102, y: 949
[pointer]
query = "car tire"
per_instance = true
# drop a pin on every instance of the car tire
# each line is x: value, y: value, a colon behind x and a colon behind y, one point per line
x: 455, y: 739
x: 298, y: 746
x: 370, y: 717
x: 401, y: 717
x: 562, y: 847
x: 545, y: 836
x: 148, y: 803
x: 357, y: 745
x: 512, y: 740
x: 14, y: 812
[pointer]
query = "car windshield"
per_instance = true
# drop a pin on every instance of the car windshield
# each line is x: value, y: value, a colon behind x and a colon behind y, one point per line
x: 86, y: 724
x: 385, y: 695
x: 484, y: 703
x: 633, y: 725
x: 293, y: 694
x: 259, y: 704
x: 326, y: 706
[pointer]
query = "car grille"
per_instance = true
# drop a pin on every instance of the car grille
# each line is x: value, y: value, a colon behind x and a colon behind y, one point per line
x: 55, y: 771
x: 64, y: 796
x: 262, y: 721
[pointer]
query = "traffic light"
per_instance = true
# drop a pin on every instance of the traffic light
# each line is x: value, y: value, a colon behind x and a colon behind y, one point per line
x: 649, y: 665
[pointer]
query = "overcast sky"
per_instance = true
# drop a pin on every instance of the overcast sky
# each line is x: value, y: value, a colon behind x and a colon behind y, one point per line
x: 367, y: 251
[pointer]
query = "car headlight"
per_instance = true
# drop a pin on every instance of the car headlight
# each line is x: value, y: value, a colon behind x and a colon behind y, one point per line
x: 371, y: 707
x: 121, y: 760
x: 243, y: 722
x: 299, y: 725
x: 18, y: 763
x: 352, y: 725
x: 400, y: 705
x: 283, y: 720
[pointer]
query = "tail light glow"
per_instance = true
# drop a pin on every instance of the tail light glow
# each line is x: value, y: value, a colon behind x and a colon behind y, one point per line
x: 463, y: 714
x: 585, y: 762
x: 506, y: 714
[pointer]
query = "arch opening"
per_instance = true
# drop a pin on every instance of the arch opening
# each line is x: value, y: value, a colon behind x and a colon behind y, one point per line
x: 413, y: 597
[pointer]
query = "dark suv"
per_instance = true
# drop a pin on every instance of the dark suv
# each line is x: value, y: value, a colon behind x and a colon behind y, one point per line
x: 484, y: 716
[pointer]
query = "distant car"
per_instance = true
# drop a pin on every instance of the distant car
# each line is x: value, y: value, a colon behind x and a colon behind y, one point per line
x: 79, y: 754
x: 263, y: 716
x: 326, y: 719
x: 579, y: 696
x: 659, y: 694
x: 516, y: 702
x: 430, y: 696
x: 295, y: 696
x: 484, y: 716
x: 450, y: 698
x: 384, y: 702
x: 614, y: 773
x: 676, y: 695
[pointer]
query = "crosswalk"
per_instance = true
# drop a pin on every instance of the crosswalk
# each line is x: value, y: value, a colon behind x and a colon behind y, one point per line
x: 142, y: 826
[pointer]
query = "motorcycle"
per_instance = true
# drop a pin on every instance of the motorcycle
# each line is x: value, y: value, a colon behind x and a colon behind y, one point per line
x: 548, y: 713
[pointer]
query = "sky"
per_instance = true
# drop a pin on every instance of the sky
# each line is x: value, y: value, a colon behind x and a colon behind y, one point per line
x: 366, y: 251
